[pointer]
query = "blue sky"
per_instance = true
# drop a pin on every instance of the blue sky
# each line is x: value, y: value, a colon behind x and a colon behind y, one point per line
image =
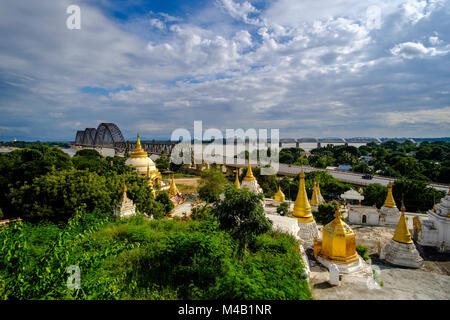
x: 309, y: 68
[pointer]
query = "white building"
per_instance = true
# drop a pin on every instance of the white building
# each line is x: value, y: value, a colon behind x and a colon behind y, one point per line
x: 125, y: 207
x: 433, y: 230
x: 388, y: 215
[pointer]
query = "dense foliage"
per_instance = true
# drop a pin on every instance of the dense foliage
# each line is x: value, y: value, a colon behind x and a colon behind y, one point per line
x: 425, y: 161
x: 417, y: 195
x: 211, y: 185
x: 374, y: 194
x: 325, y: 212
x: 138, y: 258
x: 242, y: 214
x: 43, y: 183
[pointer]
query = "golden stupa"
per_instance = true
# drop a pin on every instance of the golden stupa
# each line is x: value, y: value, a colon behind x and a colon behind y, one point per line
x: 236, y: 181
x: 315, y: 196
x: 150, y: 183
x: 143, y: 164
x: 402, y: 233
x: 302, y: 209
x: 173, y: 190
x: 338, y: 243
x: 249, y: 176
x: 279, y: 196
x: 390, y: 202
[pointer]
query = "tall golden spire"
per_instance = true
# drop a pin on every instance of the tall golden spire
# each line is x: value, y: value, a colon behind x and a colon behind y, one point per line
x: 279, y: 196
x: 149, y: 182
x: 390, y: 203
x: 318, y: 189
x: 302, y: 209
x: 236, y: 182
x: 173, y: 190
x: 314, y: 197
x: 402, y: 233
x: 249, y: 176
x: 124, y: 191
x: 138, y: 152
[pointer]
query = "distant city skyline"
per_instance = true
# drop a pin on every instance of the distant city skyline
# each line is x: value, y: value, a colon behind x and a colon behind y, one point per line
x: 309, y: 68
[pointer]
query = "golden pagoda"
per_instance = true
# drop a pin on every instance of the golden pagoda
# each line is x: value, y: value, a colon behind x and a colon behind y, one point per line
x: 279, y: 196
x: 402, y: 233
x: 390, y: 203
x: 319, y: 195
x: 143, y: 164
x: 314, y: 197
x: 249, y: 176
x: 173, y: 190
x: 236, y: 181
x: 302, y: 209
x: 150, y: 183
x: 249, y: 182
x: 138, y: 152
x: 338, y: 244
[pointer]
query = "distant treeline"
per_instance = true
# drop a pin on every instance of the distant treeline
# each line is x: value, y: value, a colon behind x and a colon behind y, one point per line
x: 25, y: 144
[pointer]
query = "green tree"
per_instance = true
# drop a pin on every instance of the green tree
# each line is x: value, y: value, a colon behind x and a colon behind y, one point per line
x: 374, y: 194
x: 283, y: 209
x: 211, y: 185
x: 56, y: 195
x: 242, y: 213
x: 162, y: 163
x: 23, y: 165
x: 268, y: 183
x: 200, y: 213
x: 325, y: 212
x: 164, y: 199
x: 417, y: 195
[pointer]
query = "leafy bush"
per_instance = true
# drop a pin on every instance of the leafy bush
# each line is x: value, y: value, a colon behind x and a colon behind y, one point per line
x: 283, y: 209
x: 374, y: 194
x: 211, y: 185
x: 200, y: 213
x: 325, y: 213
x: 362, y: 251
x: 242, y: 214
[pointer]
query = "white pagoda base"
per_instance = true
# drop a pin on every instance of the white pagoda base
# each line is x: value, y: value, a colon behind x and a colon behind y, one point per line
x: 401, y: 254
x: 344, y: 268
x: 389, y: 216
x: 253, y: 186
x: 125, y: 208
x: 307, y: 232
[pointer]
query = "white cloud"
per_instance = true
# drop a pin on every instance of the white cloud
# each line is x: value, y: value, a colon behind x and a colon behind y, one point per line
x: 433, y: 116
x: 411, y: 50
x: 306, y: 67
x: 240, y: 10
x: 157, y: 24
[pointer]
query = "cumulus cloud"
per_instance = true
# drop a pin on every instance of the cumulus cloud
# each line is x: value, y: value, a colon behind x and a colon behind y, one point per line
x: 411, y: 50
x: 433, y: 116
x: 157, y: 24
x: 240, y: 10
x: 307, y: 68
